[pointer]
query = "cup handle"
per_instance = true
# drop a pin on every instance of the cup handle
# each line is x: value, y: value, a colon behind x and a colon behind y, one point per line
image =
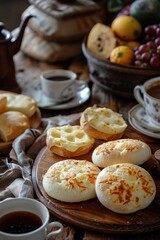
x: 138, y: 92
x: 80, y: 85
x: 54, y: 232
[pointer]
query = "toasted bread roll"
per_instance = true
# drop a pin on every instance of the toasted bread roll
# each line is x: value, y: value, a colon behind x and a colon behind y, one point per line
x: 20, y: 103
x: 101, y: 41
x: 12, y: 124
x: 69, y: 141
x: 71, y: 180
x: 121, y: 151
x: 103, y: 123
x: 125, y: 188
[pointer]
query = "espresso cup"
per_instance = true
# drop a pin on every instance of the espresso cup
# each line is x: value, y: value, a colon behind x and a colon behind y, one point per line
x: 60, y: 85
x: 148, y: 95
x: 26, y: 219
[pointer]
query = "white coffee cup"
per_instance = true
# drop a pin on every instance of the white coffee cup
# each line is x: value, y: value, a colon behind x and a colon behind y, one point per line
x: 148, y: 95
x: 60, y: 85
x: 31, y: 206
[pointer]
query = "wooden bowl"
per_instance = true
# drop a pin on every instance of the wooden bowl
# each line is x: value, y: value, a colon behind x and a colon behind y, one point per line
x: 119, y: 79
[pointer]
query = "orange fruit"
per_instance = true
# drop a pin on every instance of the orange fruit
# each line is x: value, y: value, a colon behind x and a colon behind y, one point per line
x: 122, y: 55
x: 133, y: 44
x: 127, y: 28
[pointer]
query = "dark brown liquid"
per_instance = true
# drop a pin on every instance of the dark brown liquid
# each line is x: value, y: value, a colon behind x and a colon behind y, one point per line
x: 154, y: 91
x: 57, y: 78
x: 19, y: 222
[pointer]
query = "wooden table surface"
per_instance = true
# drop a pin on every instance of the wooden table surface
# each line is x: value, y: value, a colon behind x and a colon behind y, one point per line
x: 28, y: 70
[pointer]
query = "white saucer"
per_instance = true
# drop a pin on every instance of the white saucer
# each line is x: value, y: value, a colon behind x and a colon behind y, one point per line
x: 34, y: 90
x: 140, y: 127
x: 139, y: 114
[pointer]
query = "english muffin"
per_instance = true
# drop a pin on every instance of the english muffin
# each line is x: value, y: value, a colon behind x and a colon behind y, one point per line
x: 121, y: 151
x: 12, y: 124
x: 69, y: 141
x: 71, y: 180
x: 103, y: 123
x: 125, y: 188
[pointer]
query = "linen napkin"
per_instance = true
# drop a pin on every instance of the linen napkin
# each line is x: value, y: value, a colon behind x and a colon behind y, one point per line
x: 15, y: 170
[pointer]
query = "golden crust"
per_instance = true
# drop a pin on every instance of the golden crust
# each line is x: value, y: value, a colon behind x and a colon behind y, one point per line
x: 3, y: 104
x: 96, y: 123
x: 69, y: 141
x: 12, y: 124
x: 20, y: 103
x: 65, y: 153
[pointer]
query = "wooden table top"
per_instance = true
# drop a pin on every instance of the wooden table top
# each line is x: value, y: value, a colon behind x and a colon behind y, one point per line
x: 28, y: 70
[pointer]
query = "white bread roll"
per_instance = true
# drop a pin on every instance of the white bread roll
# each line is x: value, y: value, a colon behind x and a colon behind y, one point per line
x: 69, y: 141
x: 125, y: 188
x: 103, y: 123
x: 12, y: 124
x: 121, y: 151
x: 71, y: 180
x: 20, y: 103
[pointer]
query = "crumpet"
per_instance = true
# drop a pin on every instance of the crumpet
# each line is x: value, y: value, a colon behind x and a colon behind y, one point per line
x: 125, y: 188
x: 121, y: 151
x: 103, y: 123
x: 69, y: 141
x: 71, y: 180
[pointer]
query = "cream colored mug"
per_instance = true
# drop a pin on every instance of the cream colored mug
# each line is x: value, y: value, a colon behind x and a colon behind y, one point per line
x: 60, y: 85
x: 148, y: 95
x: 35, y: 224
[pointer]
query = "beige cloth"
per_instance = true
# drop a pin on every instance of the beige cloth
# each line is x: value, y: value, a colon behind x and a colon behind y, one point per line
x: 50, y: 52
x: 60, y: 29
x: 15, y: 171
x: 63, y: 9
x: 42, y: 50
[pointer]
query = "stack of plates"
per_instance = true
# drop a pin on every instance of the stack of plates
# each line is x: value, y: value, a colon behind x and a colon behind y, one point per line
x: 139, y: 120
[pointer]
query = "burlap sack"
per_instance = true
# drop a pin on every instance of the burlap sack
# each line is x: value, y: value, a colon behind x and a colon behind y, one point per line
x: 41, y: 50
x: 59, y: 29
x: 64, y: 9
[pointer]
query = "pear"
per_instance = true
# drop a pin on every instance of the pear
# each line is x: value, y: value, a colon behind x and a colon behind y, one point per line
x: 147, y: 12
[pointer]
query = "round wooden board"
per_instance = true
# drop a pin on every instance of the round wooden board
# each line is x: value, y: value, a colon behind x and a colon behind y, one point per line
x: 91, y: 214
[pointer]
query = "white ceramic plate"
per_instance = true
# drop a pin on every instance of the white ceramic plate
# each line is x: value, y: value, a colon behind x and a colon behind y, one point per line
x: 34, y: 90
x: 135, y: 124
x: 139, y: 114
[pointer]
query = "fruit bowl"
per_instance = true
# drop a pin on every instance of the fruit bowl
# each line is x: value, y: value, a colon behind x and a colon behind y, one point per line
x: 116, y: 78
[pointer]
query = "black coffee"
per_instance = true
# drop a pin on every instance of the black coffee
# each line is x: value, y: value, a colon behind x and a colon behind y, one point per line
x: 154, y: 91
x: 19, y: 222
x: 58, y: 78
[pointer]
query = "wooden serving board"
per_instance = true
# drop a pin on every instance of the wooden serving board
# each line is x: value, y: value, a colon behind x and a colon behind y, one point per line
x: 91, y: 214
